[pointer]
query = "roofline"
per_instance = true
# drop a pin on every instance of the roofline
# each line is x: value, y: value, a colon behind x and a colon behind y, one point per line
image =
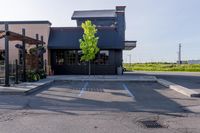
x: 79, y: 28
x: 94, y: 10
x: 131, y: 41
x: 120, y: 8
x: 27, y: 22
x: 75, y: 18
x: 83, y: 18
x: 129, y: 45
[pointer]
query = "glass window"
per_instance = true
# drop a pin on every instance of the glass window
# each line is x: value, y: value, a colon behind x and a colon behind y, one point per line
x: 59, y: 57
x: 79, y: 56
x: 2, y: 56
x: 102, y: 57
x: 71, y: 56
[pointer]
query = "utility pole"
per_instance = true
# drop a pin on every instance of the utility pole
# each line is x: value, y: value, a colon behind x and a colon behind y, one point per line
x: 179, y: 54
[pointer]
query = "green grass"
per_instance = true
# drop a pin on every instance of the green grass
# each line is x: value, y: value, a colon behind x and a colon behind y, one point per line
x: 163, y: 67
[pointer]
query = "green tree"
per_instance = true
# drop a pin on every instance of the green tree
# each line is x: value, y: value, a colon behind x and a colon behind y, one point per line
x: 88, y: 44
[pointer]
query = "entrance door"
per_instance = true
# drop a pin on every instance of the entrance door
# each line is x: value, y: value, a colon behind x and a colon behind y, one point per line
x: 67, y: 62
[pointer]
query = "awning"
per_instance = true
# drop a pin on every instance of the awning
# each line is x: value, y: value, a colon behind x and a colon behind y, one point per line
x: 129, y: 45
x: 12, y: 36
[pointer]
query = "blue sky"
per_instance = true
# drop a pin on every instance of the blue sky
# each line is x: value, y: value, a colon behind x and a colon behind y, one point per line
x: 158, y: 25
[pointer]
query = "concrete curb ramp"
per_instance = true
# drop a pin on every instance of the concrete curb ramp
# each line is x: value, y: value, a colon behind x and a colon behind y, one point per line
x: 178, y: 88
x: 25, y: 88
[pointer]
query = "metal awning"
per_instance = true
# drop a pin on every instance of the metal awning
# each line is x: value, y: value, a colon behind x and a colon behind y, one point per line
x: 12, y: 36
x: 129, y: 45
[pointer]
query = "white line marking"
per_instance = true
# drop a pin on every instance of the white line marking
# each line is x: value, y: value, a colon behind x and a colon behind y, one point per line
x: 126, y: 88
x: 83, y: 89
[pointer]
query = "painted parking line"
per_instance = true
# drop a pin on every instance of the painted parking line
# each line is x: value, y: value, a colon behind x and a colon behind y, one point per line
x: 83, y: 89
x: 127, y: 90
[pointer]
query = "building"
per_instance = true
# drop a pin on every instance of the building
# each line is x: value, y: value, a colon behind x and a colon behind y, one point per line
x: 193, y: 61
x: 63, y: 56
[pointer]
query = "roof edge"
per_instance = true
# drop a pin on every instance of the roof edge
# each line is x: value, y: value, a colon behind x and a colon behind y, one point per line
x: 79, y: 28
x: 27, y: 22
x: 75, y: 18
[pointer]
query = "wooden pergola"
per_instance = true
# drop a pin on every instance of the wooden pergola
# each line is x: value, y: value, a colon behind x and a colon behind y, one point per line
x: 12, y: 36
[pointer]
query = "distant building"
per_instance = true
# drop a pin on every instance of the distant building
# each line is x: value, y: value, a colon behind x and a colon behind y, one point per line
x: 193, y: 61
x: 62, y: 43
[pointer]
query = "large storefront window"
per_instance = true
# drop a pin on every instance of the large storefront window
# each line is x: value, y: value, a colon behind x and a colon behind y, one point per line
x: 102, y: 57
x: 60, y: 57
x: 79, y: 56
x: 71, y: 57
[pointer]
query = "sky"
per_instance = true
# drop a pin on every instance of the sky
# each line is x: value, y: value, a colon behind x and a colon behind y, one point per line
x: 157, y: 25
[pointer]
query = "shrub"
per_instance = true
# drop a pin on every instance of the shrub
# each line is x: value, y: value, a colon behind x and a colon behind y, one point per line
x: 35, y: 75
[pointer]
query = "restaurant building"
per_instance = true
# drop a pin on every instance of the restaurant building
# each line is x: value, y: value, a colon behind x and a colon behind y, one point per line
x: 63, y: 47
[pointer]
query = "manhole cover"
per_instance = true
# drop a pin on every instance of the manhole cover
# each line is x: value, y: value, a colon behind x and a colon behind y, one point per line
x: 150, y: 124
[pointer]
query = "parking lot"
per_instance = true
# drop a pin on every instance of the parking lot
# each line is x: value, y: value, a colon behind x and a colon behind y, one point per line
x: 114, y: 96
x: 72, y: 106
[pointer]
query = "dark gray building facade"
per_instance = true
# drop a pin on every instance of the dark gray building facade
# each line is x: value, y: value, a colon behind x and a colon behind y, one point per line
x: 65, y: 50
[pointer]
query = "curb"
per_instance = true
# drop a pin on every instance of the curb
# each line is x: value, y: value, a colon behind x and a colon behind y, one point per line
x: 12, y: 93
x: 109, y: 80
x: 183, y: 90
x: 38, y: 87
x: 21, y: 90
x: 140, y: 79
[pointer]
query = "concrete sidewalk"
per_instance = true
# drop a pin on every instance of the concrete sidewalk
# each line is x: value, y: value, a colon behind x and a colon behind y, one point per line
x: 29, y: 87
x: 186, y: 83
x: 179, y: 88
x: 25, y: 88
x: 136, y: 78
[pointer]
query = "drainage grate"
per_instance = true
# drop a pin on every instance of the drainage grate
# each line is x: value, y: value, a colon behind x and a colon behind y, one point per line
x: 95, y: 89
x: 76, y: 88
x: 151, y: 124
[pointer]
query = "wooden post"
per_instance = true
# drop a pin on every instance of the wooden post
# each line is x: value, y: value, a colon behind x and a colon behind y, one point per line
x: 42, y: 39
x: 37, y: 38
x: 6, y: 56
x: 24, y: 56
x: 42, y: 60
x: 16, y: 72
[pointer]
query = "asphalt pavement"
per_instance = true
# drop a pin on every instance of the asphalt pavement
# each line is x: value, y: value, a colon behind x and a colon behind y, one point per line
x: 100, y: 107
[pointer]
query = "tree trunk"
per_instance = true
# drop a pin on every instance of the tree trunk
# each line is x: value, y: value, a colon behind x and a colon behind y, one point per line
x: 89, y: 68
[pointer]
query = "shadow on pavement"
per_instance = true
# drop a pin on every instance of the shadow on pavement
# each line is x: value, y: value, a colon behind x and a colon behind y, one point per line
x: 146, y: 94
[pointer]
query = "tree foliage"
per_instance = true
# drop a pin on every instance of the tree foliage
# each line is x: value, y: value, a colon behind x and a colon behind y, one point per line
x: 88, y: 44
